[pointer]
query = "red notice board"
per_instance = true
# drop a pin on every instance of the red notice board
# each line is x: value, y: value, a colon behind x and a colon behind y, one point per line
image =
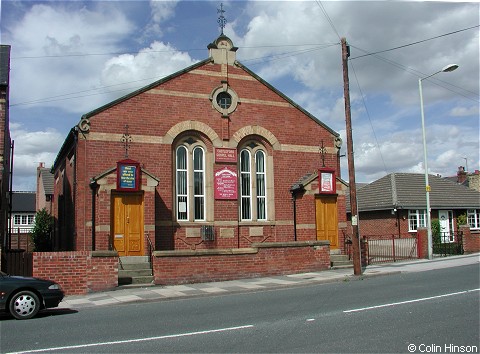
x: 226, y: 183
x: 327, y: 181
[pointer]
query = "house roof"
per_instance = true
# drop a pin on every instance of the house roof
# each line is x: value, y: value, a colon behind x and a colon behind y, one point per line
x: 23, y: 202
x: 407, y: 191
x: 47, y: 179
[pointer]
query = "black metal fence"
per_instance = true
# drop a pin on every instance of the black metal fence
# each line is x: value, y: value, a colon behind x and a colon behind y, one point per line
x: 448, y: 244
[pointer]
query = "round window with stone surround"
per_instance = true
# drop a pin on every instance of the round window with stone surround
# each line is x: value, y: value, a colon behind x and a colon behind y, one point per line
x: 224, y: 100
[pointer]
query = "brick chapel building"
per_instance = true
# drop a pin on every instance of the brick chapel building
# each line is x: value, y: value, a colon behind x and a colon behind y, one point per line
x: 210, y: 157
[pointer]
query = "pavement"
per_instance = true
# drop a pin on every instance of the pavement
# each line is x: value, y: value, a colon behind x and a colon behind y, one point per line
x: 128, y: 294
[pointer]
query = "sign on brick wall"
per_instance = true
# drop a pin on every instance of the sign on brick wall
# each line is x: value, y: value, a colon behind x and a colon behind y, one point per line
x: 226, y: 183
x: 128, y: 176
x: 225, y: 155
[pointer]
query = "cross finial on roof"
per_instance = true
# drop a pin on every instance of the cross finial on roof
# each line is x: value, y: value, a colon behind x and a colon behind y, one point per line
x: 221, y: 19
x: 322, y: 151
x: 126, y: 139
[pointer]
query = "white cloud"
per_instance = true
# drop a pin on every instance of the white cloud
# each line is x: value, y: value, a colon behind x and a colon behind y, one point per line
x: 31, y: 148
x: 150, y: 64
x: 464, y: 111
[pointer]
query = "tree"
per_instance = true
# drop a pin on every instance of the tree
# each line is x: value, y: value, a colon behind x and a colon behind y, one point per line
x: 42, y: 231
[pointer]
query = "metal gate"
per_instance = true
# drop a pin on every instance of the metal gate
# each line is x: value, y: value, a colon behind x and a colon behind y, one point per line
x: 387, y: 249
x: 448, y: 244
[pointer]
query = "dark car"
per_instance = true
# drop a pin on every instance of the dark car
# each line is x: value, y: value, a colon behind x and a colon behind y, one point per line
x: 23, y: 297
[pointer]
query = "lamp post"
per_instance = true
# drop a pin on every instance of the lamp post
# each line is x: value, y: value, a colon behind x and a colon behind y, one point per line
x: 446, y: 69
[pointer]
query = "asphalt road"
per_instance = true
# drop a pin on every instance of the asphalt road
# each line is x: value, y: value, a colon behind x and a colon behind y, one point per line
x: 435, y: 311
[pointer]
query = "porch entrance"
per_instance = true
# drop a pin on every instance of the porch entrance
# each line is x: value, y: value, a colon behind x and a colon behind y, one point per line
x: 127, y: 224
x: 326, y: 219
x: 446, y: 225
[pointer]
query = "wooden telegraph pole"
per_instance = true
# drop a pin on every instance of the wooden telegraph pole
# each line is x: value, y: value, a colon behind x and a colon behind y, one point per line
x: 357, y: 267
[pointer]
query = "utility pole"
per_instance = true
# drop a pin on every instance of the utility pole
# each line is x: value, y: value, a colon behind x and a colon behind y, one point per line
x: 357, y: 267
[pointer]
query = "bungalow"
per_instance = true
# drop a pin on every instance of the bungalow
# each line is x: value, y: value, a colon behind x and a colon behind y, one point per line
x: 396, y: 205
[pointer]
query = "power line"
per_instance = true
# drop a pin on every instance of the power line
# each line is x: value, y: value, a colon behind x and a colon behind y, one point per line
x: 165, y: 51
x: 319, y: 3
x: 435, y: 81
x: 417, y: 42
x: 369, y: 119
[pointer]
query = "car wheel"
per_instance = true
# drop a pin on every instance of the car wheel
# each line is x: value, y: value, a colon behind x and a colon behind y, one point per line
x: 24, y: 305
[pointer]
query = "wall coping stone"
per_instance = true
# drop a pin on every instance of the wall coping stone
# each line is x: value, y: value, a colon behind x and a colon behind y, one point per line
x: 104, y: 254
x: 290, y: 244
x: 237, y: 251
x: 203, y: 252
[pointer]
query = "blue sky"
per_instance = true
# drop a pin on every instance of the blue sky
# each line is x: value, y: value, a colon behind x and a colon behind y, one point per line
x: 70, y: 57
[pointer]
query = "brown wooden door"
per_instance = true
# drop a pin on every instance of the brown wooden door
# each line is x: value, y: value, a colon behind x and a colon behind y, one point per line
x: 128, y: 224
x: 326, y: 219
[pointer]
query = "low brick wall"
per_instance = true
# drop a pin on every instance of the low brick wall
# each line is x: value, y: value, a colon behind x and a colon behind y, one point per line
x: 262, y: 259
x: 78, y: 272
x: 471, y: 239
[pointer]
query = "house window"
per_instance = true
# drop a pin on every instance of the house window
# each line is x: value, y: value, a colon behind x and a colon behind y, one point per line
x: 17, y: 219
x: 473, y: 218
x: 253, y: 184
x: 416, y: 218
x: 190, y: 196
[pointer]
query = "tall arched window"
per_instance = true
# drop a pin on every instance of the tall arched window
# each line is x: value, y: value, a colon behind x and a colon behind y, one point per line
x: 253, y: 185
x: 190, y: 196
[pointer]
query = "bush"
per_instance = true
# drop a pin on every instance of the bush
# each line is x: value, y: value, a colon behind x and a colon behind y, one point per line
x: 462, y: 219
x: 42, y: 231
x: 435, y: 231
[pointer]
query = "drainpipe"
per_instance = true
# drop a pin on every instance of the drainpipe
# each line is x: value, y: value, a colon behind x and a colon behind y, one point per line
x: 93, y: 187
x: 297, y: 188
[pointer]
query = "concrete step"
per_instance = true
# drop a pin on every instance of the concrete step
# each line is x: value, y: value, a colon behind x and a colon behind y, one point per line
x: 336, y: 251
x: 338, y: 258
x: 135, y: 280
x: 134, y: 259
x: 134, y: 270
x: 342, y: 266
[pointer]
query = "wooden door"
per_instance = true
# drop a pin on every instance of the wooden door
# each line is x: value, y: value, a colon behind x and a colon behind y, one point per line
x: 128, y: 224
x: 326, y: 219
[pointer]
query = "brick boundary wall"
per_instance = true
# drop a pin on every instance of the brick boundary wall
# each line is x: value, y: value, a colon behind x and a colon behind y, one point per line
x: 422, y: 243
x: 471, y: 240
x: 262, y: 259
x: 78, y: 272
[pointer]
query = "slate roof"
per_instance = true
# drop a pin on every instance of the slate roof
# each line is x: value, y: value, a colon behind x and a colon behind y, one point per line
x: 47, y: 179
x: 23, y: 202
x: 407, y: 191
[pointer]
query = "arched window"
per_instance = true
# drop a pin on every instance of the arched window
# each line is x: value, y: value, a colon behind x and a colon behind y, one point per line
x: 253, y: 185
x: 190, y: 196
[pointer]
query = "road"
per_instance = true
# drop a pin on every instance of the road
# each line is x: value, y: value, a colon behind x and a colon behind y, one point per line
x: 432, y: 311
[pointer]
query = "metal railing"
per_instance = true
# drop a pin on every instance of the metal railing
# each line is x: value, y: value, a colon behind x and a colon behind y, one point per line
x: 391, y: 248
x: 150, y: 251
x: 448, y: 244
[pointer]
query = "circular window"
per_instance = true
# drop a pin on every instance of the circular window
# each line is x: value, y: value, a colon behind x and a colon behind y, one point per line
x: 224, y: 100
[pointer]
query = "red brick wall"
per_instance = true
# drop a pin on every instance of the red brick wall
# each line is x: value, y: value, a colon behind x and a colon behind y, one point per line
x: 218, y: 265
x: 471, y: 240
x: 77, y: 272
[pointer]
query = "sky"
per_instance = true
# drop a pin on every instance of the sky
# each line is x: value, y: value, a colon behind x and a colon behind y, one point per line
x: 70, y: 57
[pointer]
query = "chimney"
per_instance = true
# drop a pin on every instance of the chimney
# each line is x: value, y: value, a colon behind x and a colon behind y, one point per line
x: 461, y: 175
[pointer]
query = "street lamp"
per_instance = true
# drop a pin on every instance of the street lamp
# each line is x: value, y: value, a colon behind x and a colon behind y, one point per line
x: 446, y: 69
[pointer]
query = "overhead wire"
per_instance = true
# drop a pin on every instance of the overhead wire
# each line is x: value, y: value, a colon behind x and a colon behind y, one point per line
x: 417, y: 42
x: 369, y: 119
